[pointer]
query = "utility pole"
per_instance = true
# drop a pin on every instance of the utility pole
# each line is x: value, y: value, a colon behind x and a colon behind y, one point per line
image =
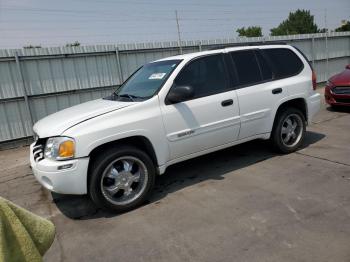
x: 178, y: 32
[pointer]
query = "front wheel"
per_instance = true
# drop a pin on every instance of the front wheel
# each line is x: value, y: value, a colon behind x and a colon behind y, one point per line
x: 121, y: 179
x: 289, y: 130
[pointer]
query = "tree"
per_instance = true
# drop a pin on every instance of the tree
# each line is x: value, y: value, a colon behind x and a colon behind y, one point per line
x: 298, y: 22
x: 251, y: 31
x: 344, y: 27
x: 76, y: 43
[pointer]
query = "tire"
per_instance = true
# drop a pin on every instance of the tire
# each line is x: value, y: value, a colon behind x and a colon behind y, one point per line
x: 282, y: 129
x: 121, y: 178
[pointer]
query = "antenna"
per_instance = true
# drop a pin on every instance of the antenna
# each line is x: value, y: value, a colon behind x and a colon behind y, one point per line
x: 178, y: 32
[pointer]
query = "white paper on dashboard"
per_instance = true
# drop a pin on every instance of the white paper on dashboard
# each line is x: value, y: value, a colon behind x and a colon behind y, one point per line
x: 157, y: 76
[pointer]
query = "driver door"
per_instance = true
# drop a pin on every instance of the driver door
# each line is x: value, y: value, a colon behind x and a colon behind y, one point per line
x: 211, y: 117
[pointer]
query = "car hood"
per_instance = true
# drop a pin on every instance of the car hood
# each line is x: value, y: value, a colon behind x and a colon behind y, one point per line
x: 57, y: 123
x: 341, y: 79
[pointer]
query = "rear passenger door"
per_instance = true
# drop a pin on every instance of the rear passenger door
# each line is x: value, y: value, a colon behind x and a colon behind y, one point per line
x: 257, y: 93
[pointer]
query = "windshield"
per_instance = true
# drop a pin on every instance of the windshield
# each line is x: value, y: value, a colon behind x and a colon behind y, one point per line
x: 147, y: 80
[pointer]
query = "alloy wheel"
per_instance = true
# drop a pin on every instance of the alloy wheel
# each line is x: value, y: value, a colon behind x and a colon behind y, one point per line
x: 124, y: 180
x: 292, y: 129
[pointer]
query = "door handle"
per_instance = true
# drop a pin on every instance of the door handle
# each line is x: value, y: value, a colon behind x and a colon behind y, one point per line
x: 277, y: 91
x: 227, y: 102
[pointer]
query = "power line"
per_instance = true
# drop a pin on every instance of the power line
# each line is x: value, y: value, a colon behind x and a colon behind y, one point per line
x: 128, y: 20
x: 110, y: 26
x: 69, y: 11
x: 116, y: 18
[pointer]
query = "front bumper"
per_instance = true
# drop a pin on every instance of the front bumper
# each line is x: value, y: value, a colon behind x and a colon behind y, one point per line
x: 72, y: 180
x: 336, y: 99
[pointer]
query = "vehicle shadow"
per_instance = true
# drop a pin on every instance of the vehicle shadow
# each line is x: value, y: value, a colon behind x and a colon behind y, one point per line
x: 214, y: 166
x: 340, y: 109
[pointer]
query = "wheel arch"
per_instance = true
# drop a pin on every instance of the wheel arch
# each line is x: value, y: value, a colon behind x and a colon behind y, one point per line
x: 298, y: 103
x: 138, y: 141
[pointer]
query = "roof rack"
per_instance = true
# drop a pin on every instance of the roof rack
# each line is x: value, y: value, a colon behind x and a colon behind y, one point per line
x: 221, y: 46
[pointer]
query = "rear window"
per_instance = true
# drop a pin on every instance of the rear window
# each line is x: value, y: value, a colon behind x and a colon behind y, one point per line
x: 286, y: 63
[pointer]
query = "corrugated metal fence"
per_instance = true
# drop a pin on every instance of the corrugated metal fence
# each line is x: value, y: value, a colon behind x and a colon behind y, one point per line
x: 38, y: 82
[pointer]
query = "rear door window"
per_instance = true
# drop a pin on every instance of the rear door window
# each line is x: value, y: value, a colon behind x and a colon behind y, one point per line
x: 265, y: 68
x: 247, y: 67
x: 285, y: 62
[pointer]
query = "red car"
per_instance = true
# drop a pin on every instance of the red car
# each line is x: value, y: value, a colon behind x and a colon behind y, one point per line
x: 337, y: 92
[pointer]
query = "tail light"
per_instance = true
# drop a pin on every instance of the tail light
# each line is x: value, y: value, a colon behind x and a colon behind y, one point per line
x: 314, y: 82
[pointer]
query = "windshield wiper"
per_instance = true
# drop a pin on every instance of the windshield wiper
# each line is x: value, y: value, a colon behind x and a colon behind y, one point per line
x: 131, y: 97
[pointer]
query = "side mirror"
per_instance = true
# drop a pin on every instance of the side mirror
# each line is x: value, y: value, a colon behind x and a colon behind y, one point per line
x: 347, y: 66
x: 179, y: 94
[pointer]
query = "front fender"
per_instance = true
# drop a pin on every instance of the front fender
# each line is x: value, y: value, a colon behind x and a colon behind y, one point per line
x: 143, y: 119
x: 85, y: 146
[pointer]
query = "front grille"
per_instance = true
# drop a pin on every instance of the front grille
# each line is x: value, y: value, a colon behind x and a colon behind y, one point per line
x: 342, y: 100
x: 38, y: 150
x: 341, y: 90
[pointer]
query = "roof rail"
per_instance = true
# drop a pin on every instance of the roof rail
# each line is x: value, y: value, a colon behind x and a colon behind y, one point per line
x: 221, y: 46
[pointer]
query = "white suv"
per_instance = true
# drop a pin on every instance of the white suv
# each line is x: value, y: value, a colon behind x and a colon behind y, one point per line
x: 172, y: 110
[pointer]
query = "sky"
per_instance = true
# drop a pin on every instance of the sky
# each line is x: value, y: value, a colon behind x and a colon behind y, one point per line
x: 91, y: 22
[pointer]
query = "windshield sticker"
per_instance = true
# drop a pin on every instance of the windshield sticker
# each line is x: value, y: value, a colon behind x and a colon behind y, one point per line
x: 157, y: 76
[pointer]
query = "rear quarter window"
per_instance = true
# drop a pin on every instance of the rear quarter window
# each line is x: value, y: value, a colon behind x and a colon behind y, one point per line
x: 285, y: 62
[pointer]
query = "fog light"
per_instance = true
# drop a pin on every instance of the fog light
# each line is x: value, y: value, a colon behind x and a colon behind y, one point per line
x: 65, y: 166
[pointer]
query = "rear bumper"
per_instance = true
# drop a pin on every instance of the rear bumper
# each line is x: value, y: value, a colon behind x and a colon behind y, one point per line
x: 313, y: 105
x: 72, y: 180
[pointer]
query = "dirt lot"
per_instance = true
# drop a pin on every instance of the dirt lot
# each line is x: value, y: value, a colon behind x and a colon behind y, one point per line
x: 240, y: 204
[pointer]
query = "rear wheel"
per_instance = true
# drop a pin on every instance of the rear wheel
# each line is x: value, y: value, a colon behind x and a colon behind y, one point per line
x: 121, y: 179
x: 289, y: 130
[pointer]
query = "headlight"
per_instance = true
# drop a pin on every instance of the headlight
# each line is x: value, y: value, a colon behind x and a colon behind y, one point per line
x: 59, y: 148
